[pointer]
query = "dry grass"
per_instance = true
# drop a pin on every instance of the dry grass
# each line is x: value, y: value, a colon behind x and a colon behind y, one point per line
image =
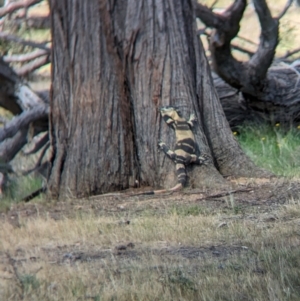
x: 175, y: 252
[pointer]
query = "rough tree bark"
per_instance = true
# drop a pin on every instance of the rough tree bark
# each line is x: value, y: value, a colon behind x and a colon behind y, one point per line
x: 114, y: 64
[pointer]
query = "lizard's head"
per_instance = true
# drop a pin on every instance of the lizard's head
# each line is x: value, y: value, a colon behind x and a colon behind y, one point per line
x: 170, y: 111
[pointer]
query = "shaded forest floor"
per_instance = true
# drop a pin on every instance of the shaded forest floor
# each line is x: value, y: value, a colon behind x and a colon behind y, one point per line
x: 244, y: 195
x: 241, y: 244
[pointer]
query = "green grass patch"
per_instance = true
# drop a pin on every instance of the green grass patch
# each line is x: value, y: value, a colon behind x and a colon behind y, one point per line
x: 18, y: 188
x: 272, y: 147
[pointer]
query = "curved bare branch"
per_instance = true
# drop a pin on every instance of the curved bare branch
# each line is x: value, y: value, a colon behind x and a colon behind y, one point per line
x: 10, y: 147
x: 23, y: 121
x: 207, y: 16
x: 26, y: 98
x: 15, y: 95
x: 38, y: 145
x: 33, y: 65
x: 227, y: 22
x: 289, y: 53
x: 262, y: 59
x: 287, y: 6
x: 245, y: 76
x: 13, y: 6
x: 39, y: 161
x: 24, y: 57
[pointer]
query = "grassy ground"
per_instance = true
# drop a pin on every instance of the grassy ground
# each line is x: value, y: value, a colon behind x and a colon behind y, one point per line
x: 176, y: 251
x: 272, y: 147
x: 195, y: 245
x: 18, y: 188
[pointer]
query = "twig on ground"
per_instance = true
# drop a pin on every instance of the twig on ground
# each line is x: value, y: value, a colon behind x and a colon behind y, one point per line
x: 34, y: 194
x: 222, y: 194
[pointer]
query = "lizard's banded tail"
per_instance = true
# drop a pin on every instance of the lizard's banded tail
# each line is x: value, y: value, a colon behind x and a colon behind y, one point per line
x: 152, y: 192
x: 181, y: 173
x: 181, y: 179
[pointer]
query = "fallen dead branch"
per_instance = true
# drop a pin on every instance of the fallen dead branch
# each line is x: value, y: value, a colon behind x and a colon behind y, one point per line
x: 262, y: 92
x: 23, y: 121
x: 34, y: 65
x: 38, y: 145
x: 13, y: 6
x: 222, y: 194
x: 34, y: 195
x: 10, y: 147
x: 20, y: 58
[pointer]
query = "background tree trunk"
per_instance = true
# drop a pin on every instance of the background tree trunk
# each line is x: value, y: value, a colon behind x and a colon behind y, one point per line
x: 265, y: 92
x: 114, y: 64
x: 278, y: 102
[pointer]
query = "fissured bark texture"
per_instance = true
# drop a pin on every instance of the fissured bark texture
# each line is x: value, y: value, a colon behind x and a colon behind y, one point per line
x: 114, y: 64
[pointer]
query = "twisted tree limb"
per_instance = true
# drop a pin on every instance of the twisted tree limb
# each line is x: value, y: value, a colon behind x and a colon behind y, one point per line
x: 33, y: 65
x: 257, y: 91
x: 38, y: 145
x: 249, y: 77
x: 13, y: 6
x: 22, y: 121
x: 20, y: 58
x: 10, y: 147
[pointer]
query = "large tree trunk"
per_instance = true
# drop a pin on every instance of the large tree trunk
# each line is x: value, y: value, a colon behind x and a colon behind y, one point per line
x: 91, y: 124
x: 114, y: 64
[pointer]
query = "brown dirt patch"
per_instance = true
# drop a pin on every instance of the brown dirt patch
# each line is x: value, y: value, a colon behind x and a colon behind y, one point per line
x: 246, y: 194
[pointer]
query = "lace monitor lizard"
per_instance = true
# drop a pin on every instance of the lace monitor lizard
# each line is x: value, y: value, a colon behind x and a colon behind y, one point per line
x: 185, y: 147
